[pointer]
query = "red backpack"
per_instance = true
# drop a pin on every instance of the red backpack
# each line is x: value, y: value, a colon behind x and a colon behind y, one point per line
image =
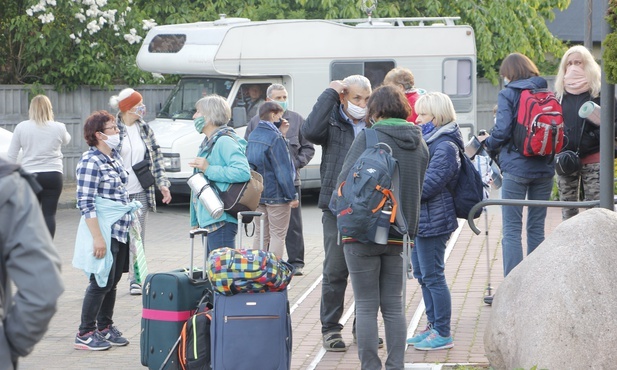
x: 539, y: 124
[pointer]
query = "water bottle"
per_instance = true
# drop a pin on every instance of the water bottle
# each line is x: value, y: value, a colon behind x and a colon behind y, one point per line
x: 383, y: 225
x: 208, y: 196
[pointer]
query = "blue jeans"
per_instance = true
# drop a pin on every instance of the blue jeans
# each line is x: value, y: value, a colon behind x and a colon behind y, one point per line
x: 427, y: 259
x: 377, y: 280
x: 515, y: 187
x: 97, y: 309
x: 224, y: 236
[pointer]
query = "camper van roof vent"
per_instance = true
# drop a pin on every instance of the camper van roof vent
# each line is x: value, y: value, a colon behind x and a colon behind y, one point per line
x: 224, y: 21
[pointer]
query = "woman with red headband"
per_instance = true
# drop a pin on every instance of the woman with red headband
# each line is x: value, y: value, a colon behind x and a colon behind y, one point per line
x: 139, y: 150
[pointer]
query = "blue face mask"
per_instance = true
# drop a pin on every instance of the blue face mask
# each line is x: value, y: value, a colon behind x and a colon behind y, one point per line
x: 199, y: 122
x: 427, y: 127
x: 283, y: 104
x: 506, y: 81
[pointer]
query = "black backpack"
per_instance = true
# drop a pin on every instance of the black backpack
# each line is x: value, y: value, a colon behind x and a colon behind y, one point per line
x: 194, y: 346
x: 469, y: 189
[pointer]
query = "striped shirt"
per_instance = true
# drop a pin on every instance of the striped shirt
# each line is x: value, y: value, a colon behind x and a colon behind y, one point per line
x: 100, y: 175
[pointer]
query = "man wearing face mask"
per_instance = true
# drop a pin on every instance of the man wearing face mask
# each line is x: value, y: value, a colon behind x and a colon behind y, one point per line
x: 336, y: 119
x: 302, y: 152
x: 137, y: 144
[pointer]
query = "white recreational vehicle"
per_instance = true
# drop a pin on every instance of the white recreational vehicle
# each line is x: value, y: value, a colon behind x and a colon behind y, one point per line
x: 229, y: 55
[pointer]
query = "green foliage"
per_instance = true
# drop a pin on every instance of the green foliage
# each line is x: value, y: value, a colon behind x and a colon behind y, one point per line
x: 63, y: 52
x: 609, y: 57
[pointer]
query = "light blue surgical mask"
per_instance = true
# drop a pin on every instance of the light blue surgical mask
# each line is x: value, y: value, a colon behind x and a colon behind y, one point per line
x: 283, y: 104
x: 506, y: 81
x: 199, y: 123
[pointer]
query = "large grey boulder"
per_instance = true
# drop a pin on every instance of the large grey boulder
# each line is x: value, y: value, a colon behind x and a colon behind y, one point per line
x: 558, y: 308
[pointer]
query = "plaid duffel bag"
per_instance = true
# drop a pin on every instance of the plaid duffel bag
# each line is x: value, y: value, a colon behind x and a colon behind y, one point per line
x: 233, y: 271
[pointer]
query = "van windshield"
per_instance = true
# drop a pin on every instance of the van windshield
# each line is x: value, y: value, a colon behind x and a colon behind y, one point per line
x: 181, y: 101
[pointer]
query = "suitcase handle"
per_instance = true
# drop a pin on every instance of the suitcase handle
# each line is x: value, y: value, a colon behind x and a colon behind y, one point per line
x: 194, y: 232
x: 203, y: 233
x: 261, y: 225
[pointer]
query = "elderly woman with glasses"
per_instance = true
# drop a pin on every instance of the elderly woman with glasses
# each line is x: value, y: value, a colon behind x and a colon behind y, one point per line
x: 138, y: 147
x: 101, y: 246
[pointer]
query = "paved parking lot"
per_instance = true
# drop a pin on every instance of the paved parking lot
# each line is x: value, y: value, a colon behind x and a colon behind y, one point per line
x: 167, y: 247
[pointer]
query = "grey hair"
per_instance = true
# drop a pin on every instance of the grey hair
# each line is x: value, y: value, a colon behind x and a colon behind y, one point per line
x: 274, y: 87
x: 215, y: 109
x: 358, y: 80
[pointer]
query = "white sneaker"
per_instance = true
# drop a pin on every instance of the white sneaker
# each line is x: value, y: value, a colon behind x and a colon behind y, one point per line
x: 135, y: 289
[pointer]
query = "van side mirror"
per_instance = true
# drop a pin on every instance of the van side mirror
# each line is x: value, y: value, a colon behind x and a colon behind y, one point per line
x: 238, y: 117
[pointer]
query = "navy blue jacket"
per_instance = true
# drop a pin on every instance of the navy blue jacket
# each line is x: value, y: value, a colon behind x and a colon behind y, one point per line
x: 437, y: 214
x: 267, y: 153
x: 510, y: 160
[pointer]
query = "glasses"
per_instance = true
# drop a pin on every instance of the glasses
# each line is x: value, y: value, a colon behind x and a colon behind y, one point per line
x: 113, y: 127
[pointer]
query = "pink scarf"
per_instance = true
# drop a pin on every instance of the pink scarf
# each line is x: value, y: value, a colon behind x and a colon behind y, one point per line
x: 575, y: 81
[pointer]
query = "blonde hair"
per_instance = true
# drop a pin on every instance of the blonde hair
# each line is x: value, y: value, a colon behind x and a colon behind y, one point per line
x: 590, y: 67
x: 437, y: 105
x: 41, y: 110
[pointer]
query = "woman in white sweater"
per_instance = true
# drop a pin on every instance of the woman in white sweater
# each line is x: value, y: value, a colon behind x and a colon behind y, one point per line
x: 40, y: 139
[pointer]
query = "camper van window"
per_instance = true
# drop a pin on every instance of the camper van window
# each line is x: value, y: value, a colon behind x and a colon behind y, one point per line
x: 375, y: 71
x: 250, y: 97
x: 457, y: 77
x: 181, y: 101
x: 167, y: 43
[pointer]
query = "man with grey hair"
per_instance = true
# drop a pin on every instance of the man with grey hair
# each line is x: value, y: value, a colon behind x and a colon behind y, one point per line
x: 336, y: 119
x: 302, y: 152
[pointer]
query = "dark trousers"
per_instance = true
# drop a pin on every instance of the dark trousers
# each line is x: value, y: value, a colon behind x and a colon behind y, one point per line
x: 294, y: 240
x: 51, y: 182
x: 97, y: 310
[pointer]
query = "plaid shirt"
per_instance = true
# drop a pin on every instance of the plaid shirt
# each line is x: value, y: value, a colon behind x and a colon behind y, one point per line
x: 153, y: 153
x: 99, y: 175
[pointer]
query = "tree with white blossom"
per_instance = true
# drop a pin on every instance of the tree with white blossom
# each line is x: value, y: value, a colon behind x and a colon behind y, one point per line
x: 68, y: 43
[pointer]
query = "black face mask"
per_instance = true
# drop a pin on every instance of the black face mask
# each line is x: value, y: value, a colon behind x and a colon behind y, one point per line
x: 278, y: 123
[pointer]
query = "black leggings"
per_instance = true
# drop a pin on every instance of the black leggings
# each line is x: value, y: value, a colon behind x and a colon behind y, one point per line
x: 51, y: 182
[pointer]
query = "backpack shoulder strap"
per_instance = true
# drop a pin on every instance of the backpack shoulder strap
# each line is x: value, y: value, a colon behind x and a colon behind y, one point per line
x: 371, y: 137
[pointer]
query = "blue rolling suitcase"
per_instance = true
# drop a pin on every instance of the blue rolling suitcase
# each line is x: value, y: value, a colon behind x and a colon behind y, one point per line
x: 251, y: 330
x: 169, y: 299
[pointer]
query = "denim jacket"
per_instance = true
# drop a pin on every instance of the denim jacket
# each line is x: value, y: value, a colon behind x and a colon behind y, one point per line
x: 268, y: 154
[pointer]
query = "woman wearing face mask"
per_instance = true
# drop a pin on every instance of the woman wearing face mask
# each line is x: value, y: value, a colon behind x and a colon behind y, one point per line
x: 102, y: 243
x: 523, y: 177
x: 222, y: 161
x: 267, y: 151
x: 577, y: 82
x: 136, y: 144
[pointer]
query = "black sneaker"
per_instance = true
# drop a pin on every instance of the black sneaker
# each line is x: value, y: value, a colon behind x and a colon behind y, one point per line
x: 92, y: 341
x: 113, y: 336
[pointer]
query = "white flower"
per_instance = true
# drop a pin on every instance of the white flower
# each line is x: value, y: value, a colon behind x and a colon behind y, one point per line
x: 72, y: 36
x: 101, y: 3
x: 77, y: 40
x: 148, y: 24
x: 79, y: 33
x: 94, y: 44
x: 158, y: 76
x: 132, y: 38
x: 46, y: 18
x: 116, y: 28
x: 51, y: 2
x: 80, y: 17
x: 93, y: 27
x: 38, y: 8
x: 29, y: 12
x: 41, y: 36
x: 117, y: 34
x: 102, y: 21
x: 128, y: 8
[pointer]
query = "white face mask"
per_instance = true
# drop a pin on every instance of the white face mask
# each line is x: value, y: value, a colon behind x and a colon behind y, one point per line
x: 112, y: 141
x: 506, y: 80
x: 355, y: 111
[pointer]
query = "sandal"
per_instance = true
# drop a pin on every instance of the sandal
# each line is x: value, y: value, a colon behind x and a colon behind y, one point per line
x: 333, y: 342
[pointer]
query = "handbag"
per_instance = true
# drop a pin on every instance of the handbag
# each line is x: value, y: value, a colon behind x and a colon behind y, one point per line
x: 143, y: 173
x: 242, y: 196
x: 567, y: 163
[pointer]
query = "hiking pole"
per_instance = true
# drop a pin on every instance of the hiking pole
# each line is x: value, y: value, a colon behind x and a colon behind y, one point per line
x: 488, y: 299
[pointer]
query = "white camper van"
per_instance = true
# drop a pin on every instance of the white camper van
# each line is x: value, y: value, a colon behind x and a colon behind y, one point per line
x: 229, y: 55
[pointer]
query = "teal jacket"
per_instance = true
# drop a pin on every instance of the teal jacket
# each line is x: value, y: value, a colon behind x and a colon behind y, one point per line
x: 228, y: 165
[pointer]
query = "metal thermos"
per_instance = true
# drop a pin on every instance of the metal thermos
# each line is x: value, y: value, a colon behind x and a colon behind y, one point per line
x: 208, y: 196
x: 383, y: 225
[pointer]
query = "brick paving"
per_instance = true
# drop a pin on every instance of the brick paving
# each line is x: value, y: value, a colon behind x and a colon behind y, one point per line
x: 167, y: 248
